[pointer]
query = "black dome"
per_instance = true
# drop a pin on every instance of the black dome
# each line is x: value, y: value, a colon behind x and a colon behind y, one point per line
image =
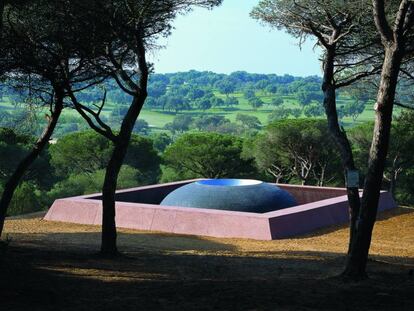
x: 243, y: 195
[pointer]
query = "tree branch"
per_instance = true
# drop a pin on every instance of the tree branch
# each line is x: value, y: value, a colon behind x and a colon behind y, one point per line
x: 381, y: 21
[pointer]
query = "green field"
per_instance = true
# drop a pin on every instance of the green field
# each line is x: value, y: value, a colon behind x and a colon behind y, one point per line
x: 157, y: 118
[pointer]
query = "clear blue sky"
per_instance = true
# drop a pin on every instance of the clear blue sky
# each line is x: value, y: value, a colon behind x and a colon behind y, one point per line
x: 226, y: 39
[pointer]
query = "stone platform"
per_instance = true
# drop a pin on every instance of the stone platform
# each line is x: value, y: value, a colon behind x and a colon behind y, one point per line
x: 138, y: 208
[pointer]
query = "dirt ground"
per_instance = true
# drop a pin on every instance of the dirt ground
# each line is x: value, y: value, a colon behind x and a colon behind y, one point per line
x: 54, y: 266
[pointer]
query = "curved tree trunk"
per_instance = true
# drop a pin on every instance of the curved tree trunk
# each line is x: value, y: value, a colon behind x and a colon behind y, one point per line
x: 109, y: 234
x: 21, y: 169
x: 340, y: 138
x: 121, y: 142
x: 358, y: 256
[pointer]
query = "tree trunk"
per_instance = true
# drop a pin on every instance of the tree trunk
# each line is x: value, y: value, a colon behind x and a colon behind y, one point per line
x: 393, y: 184
x: 340, y: 138
x: 358, y: 256
x: 109, y: 234
x: 393, y: 180
x: 21, y: 169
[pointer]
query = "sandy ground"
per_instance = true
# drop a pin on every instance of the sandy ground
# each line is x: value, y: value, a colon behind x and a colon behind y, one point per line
x: 54, y: 266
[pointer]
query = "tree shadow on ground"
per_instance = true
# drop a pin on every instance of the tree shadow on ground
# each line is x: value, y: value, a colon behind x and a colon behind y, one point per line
x: 53, y: 276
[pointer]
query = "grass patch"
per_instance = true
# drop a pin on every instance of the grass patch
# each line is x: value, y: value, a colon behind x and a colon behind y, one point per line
x: 157, y: 118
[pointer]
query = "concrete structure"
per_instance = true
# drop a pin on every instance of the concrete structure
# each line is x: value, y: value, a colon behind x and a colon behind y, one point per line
x: 139, y: 208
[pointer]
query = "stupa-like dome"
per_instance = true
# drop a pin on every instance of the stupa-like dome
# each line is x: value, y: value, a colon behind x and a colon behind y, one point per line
x: 244, y: 195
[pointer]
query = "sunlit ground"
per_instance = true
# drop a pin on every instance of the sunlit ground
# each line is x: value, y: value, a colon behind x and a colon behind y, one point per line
x: 51, y: 266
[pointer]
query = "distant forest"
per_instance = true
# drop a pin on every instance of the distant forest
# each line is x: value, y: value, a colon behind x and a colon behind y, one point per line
x: 191, y: 97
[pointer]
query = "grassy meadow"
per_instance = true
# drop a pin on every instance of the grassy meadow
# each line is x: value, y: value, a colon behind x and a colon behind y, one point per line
x: 157, y: 118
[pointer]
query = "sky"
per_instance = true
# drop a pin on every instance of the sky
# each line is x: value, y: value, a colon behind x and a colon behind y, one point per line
x: 227, y: 39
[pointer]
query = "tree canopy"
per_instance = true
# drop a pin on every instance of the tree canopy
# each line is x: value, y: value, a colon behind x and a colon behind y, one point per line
x: 210, y: 155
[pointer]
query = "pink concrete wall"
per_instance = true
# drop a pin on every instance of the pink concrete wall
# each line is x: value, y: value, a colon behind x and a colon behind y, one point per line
x: 309, y: 217
x: 330, y: 208
x: 308, y: 194
x: 195, y: 221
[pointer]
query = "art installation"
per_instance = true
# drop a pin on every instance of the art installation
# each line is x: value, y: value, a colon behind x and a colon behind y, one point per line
x: 243, y: 195
x: 294, y: 209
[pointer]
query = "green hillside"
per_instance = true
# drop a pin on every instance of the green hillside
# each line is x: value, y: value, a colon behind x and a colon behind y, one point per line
x: 226, y: 96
